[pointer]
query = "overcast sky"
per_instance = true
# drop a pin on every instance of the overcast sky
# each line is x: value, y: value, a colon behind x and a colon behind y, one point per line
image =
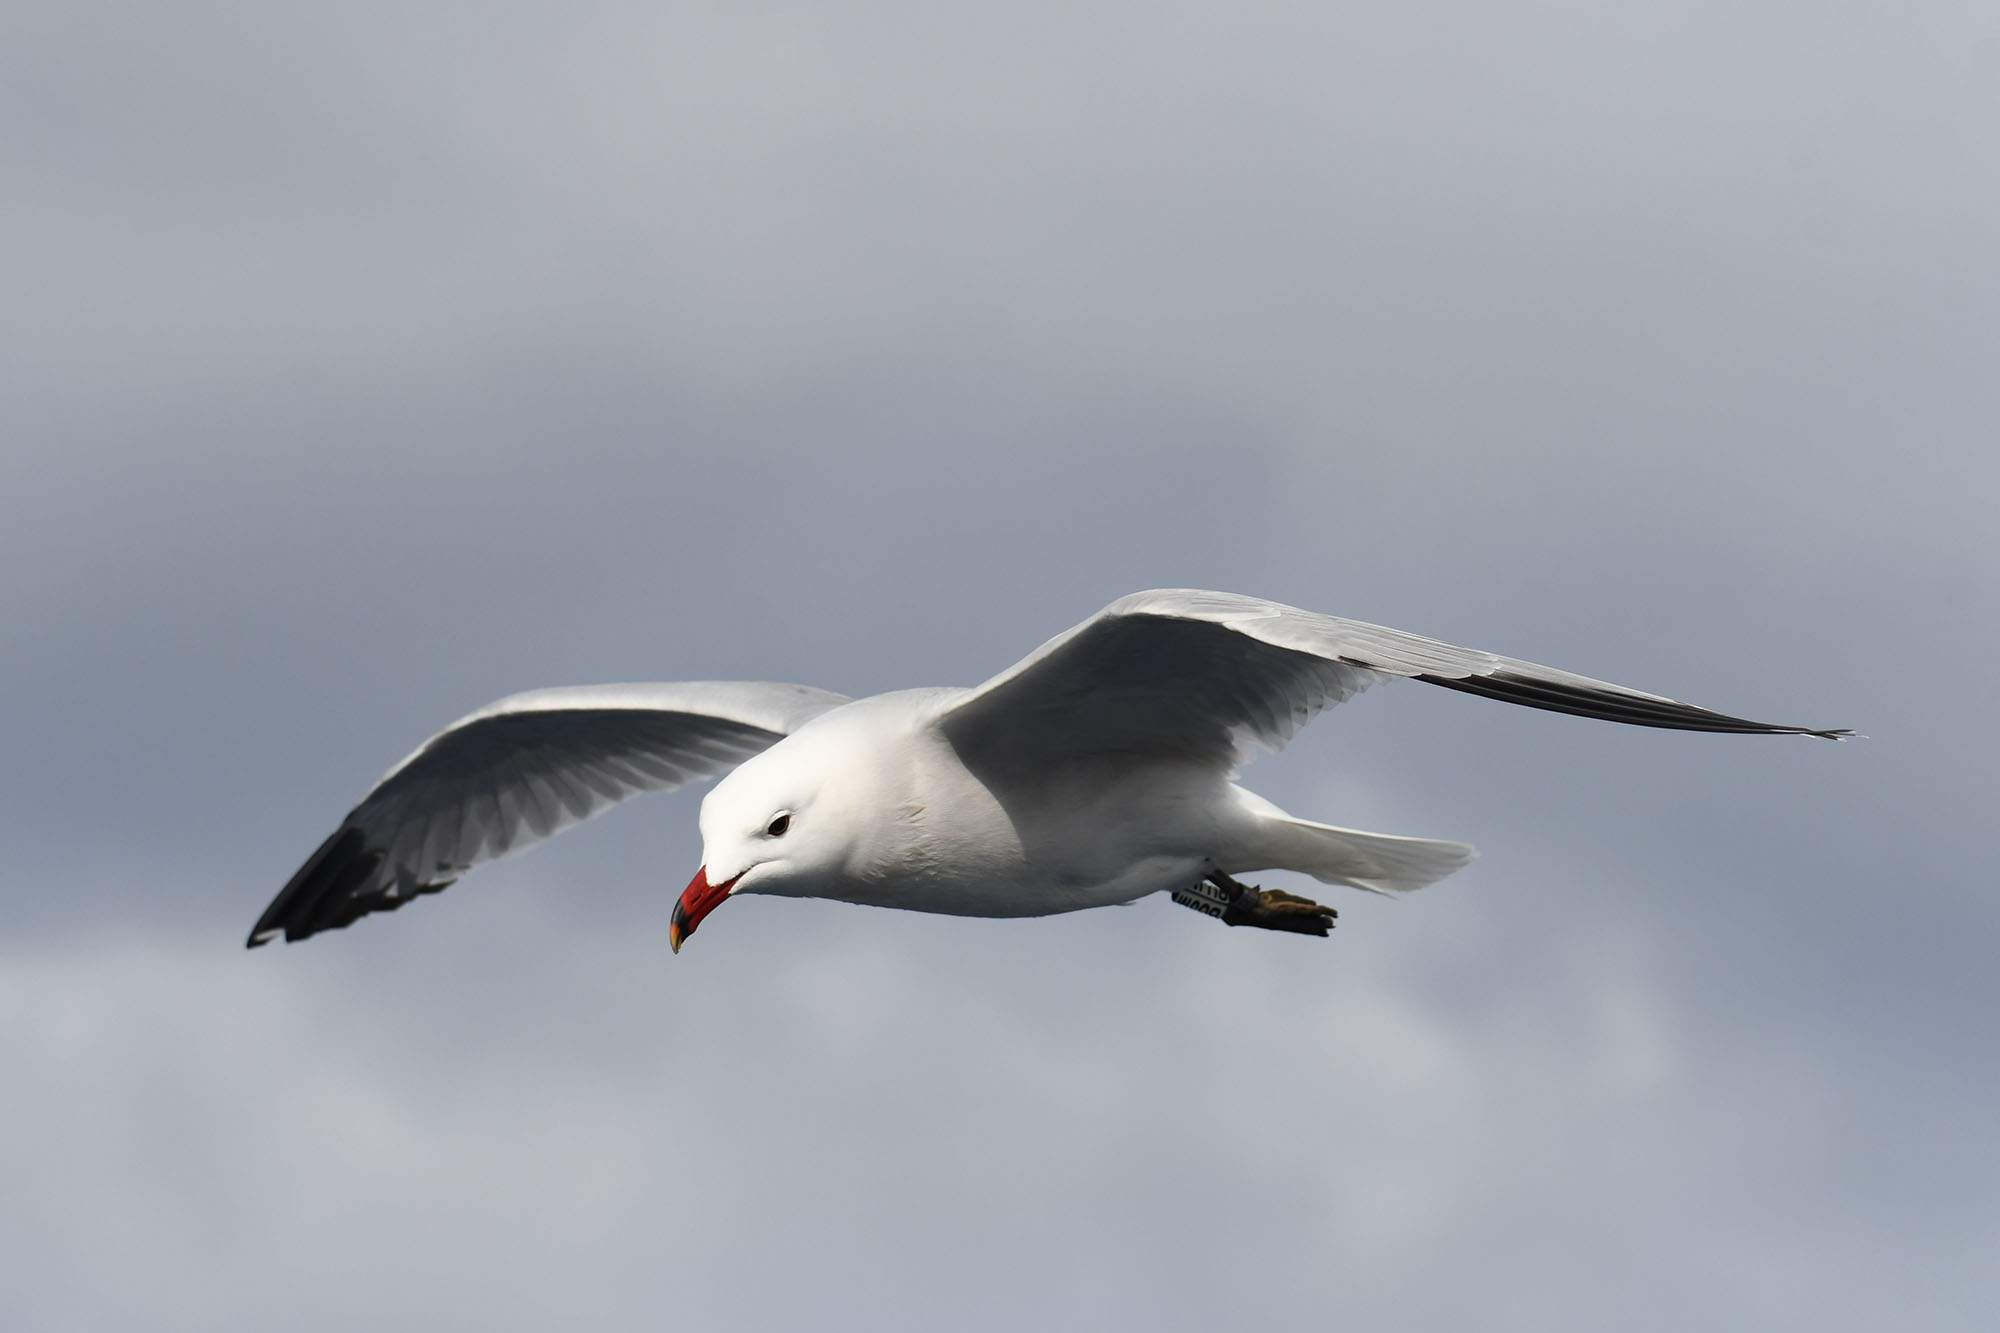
x: 363, y: 363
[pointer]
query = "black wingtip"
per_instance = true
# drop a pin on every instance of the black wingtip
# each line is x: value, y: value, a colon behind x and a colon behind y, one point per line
x: 1610, y: 704
x: 337, y: 886
x: 316, y: 898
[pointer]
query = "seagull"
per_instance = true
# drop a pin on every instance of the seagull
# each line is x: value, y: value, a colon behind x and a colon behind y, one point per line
x: 1099, y: 769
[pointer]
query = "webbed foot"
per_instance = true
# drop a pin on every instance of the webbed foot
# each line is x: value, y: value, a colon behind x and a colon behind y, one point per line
x: 1239, y: 904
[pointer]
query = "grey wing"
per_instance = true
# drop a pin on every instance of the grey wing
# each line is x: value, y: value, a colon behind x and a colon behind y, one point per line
x: 519, y: 771
x: 1217, y: 676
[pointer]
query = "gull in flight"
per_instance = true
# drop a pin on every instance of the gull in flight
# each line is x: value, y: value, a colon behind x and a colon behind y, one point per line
x: 1096, y: 770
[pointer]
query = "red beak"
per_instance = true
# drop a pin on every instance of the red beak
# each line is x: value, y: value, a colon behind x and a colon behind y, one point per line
x: 697, y: 901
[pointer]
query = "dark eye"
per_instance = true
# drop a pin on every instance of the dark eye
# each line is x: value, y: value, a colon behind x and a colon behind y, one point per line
x: 776, y: 828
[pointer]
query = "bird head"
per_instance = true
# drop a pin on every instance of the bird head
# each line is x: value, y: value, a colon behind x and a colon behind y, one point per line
x: 774, y: 825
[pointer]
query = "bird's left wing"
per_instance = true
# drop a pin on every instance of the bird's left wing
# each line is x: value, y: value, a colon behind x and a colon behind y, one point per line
x: 1179, y: 672
x: 518, y: 771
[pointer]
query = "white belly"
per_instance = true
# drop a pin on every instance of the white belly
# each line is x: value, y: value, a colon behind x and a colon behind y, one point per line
x: 1054, y: 848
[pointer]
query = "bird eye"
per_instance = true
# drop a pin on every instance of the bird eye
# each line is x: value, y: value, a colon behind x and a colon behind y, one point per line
x: 776, y: 828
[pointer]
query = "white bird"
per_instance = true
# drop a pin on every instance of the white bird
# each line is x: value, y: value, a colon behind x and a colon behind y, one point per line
x: 1097, y: 770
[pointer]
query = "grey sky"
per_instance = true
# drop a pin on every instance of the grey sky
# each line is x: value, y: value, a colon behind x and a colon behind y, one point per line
x: 363, y: 364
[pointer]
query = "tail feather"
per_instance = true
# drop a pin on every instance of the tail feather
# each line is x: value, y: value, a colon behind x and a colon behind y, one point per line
x: 1377, y: 862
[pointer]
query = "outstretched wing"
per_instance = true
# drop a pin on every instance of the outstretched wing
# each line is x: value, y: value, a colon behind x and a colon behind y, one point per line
x: 519, y: 770
x: 1179, y: 672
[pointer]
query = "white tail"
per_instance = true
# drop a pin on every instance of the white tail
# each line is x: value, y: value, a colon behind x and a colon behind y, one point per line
x: 1378, y: 862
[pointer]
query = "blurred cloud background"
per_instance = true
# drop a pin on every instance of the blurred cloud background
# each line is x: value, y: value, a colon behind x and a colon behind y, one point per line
x: 365, y: 363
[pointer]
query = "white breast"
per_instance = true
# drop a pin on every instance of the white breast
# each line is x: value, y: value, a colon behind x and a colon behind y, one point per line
x: 949, y: 843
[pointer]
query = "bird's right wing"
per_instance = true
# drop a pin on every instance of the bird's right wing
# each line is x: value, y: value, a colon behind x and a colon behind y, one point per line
x: 1211, y: 676
x: 518, y: 771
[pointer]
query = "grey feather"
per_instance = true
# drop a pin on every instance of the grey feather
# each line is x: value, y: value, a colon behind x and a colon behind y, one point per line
x: 1214, y: 676
x: 519, y: 771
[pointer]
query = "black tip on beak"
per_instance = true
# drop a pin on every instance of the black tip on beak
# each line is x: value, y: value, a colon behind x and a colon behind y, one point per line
x: 677, y: 928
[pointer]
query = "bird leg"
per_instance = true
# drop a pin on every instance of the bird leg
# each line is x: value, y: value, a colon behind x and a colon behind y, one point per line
x: 1238, y: 904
